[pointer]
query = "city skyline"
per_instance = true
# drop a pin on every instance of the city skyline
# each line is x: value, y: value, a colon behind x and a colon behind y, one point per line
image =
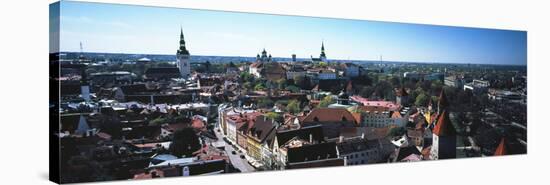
x: 113, y: 28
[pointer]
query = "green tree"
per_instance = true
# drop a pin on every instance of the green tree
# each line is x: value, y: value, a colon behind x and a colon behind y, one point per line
x: 293, y: 106
x: 396, y: 82
x: 265, y: 103
x: 326, y: 101
x: 421, y: 99
x: 293, y: 88
x: 281, y: 83
x: 272, y: 115
x: 246, y: 77
x: 259, y: 87
x: 158, y: 121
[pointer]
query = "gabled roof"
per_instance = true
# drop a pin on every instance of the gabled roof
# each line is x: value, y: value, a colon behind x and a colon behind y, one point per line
x: 406, y: 152
x: 312, y: 152
x: 370, y: 133
x: 356, y: 145
x: 444, y: 127
x: 257, y: 65
x: 262, y: 128
x: 501, y: 149
x: 304, y: 133
x: 321, y: 115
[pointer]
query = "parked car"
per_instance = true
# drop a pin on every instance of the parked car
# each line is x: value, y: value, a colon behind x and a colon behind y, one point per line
x: 233, y: 152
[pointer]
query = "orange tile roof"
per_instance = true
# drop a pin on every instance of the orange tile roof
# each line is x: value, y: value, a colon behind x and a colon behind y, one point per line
x: 444, y: 127
x: 501, y: 149
x: 329, y: 115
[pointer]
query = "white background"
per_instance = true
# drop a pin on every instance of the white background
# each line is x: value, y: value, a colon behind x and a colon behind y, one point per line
x: 24, y: 91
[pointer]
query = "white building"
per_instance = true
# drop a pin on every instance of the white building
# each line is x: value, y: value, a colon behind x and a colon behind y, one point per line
x: 350, y: 69
x: 357, y: 151
x: 454, y: 81
x: 378, y: 117
x: 290, y: 75
x: 326, y: 75
x: 477, y: 86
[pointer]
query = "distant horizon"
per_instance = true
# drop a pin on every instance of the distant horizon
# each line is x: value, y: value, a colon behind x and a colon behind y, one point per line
x: 354, y: 60
x: 133, y: 29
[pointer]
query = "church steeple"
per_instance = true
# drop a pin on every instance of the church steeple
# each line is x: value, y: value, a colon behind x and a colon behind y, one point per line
x: 323, y: 56
x: 182, y: 49
x: 182, y: 57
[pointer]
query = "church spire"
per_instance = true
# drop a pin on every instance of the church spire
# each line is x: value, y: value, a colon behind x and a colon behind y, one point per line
x: 182, y: 49
x: 323, y: 56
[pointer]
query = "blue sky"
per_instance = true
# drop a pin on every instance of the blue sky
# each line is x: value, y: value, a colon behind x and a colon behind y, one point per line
x: 152, y: 30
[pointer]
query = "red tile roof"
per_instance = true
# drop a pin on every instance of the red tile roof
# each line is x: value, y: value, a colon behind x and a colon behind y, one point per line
x: 380, y: 109
x: 501, y: 149
x: 329, y: 115
x: 444, y: 127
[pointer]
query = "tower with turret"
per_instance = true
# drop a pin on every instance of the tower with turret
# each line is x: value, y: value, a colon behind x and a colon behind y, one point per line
x: 444, y: 133
x: 182, y: 57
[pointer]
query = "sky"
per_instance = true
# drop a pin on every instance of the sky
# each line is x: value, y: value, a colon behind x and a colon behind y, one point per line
x: 114, y: 28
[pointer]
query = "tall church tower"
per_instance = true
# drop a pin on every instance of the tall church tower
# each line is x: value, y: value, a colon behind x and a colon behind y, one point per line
x: 183, y: 58
x: 443, y: 139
